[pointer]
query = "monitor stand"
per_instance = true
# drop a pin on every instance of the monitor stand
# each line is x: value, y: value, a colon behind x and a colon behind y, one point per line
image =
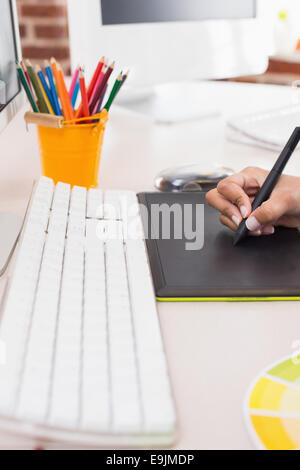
x: 10, y: 228
x: 170, y: 103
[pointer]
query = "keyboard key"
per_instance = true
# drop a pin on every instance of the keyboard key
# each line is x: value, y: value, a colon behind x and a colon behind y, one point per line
x: 95, y: 204
x: 66, y: 373
x: 112, y: 206
x: 123, y: 365
x: 148, y: 338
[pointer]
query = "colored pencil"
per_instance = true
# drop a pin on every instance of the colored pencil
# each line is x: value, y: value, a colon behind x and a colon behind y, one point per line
x: 64, y: 96
x: 99, y: 105
x: 41, y: 101
x: 73, y: 82
x: 125, y: 76
x: 75, y: 94
x: 114, y: 92
x: 26, y: 74
x: 58, y: 87
x: 98, y: 83
x: 27, y: 89
x: 91, y: 86
x: 61, y: 90
x: 85, y: 102
x: 102, y: 86
x: 53, y: 65
x: 49, y: 73
x: 95, y: 77
x: 50, y: 110
x: 45, y: 89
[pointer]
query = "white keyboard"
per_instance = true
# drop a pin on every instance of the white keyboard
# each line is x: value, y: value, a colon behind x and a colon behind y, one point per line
x: 82, y: 355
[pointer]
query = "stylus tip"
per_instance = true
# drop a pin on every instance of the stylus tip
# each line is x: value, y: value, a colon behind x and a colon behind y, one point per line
x: 241, y: 233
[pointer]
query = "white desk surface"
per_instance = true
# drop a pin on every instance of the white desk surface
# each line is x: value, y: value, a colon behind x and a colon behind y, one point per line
x: 214, y: 350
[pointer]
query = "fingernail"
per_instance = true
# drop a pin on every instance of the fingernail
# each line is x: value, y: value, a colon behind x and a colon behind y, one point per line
x: 252, y: 224
x: 257, y: 233
x: 268, y: 230
x: 235, y: 220
x: 244, y: 212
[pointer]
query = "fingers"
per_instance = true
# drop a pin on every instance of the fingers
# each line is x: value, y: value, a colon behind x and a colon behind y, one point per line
x: 228, y: 222
x: 232, y: 189
x: 241, y: 188
x: 269, y: 212
x: 268, y: 230
x: 233, y: 199
x: 229, y: 210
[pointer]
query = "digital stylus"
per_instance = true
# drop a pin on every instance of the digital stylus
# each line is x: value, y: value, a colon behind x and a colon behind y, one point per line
x: 270, y: 182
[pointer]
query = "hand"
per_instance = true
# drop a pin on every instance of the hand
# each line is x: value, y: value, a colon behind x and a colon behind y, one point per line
x: 234, y: 195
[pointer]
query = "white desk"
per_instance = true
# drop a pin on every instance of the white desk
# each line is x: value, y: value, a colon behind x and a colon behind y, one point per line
x: 214, y: 349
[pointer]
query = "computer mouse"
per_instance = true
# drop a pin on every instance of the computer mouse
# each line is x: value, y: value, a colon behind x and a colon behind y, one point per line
x: 191, y: 178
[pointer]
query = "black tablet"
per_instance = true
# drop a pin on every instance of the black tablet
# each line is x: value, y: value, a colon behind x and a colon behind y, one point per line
x: 210, y: 267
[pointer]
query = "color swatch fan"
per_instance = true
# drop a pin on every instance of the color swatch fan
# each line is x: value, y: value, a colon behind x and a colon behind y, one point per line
x: 273, y: 407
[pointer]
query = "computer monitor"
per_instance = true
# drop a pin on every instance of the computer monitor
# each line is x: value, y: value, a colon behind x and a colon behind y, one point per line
x: 169, y: 40
x: 11, y: 96
x: 11, y: 100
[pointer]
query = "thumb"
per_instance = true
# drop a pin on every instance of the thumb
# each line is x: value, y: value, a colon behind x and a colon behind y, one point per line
x: 269, y: 212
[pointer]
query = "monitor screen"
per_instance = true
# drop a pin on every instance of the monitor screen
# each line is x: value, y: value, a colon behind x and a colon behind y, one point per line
x: 9, y: 83
x: 153, y: 11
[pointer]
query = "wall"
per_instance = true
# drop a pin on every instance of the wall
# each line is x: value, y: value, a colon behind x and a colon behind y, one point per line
x: 44, y: 30
x: 268, y: 10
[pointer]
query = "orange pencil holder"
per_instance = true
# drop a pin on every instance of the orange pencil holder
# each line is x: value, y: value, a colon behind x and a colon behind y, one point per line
x: 71, y: 153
